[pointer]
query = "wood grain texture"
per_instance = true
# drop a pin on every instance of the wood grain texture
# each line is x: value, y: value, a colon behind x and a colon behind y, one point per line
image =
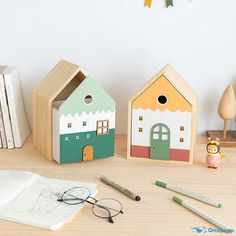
x: 156, y: 213
x: 227, y: 106
x: 229, y: 141
x: 58, y: 84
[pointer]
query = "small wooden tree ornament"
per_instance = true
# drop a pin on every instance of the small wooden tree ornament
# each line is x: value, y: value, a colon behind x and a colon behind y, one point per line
x: 227, y: 107
x: 226, y: 111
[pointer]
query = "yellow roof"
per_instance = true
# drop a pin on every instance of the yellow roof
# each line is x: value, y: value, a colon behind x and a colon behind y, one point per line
x: 170, y: 84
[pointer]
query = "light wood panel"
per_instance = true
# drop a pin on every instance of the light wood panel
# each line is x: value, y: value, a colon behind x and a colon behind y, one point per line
x: 155, y: 214
x: 57, y: 84
x: 229, y: 141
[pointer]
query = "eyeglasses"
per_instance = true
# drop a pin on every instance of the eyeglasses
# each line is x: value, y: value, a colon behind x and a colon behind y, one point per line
x: 106, y: 208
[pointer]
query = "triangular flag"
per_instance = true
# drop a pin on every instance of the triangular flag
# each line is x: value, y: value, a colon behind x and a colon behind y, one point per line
x: 148, y: 3
x: 169, y: 3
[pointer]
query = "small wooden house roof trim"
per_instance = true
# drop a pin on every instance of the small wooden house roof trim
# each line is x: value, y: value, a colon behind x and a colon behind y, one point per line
x: 57, y: 79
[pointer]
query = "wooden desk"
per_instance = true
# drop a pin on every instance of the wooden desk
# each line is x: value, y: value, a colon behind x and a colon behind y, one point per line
x: 155, y: 214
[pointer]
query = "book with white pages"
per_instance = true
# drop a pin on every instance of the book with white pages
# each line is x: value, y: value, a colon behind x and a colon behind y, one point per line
x: 19, y: 124
x: 28, y: 198
x: 2, y: 130
x: 5, y: 110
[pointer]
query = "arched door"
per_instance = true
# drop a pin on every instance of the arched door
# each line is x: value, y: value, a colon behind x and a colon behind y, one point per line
x: 160, y: 142
x: 88, y: 153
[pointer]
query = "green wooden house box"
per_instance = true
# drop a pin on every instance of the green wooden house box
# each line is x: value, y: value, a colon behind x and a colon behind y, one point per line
x: 83, y: 123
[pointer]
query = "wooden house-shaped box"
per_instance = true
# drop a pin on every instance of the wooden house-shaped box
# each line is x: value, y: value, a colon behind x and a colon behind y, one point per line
x: 161, y: 123
x: 73, y: 117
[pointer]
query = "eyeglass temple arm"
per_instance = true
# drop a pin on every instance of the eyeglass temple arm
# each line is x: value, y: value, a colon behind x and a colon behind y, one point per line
x: 75, y: 198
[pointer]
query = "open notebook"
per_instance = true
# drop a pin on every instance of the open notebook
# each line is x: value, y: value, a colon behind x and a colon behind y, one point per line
x: 28, y: 198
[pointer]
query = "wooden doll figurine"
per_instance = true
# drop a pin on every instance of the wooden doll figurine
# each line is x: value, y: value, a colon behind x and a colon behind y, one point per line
x: 214, y: 155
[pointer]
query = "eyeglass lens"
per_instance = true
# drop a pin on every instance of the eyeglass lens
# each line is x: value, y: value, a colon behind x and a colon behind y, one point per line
x: 106, y: 208
x: 76, y: 195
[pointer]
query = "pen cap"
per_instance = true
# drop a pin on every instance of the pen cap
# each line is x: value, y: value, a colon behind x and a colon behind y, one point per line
x: 160, y: 184
x: 177, y: 200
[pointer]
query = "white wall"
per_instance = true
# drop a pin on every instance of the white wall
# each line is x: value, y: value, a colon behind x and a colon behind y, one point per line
x: 122, y: 44
x: 172, y: 119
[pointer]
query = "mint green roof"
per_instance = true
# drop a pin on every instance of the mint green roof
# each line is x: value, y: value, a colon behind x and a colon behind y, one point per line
x: 102, y: 101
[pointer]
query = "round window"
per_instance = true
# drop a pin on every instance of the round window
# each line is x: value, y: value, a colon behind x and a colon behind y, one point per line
x: 162, y: 99
x: 88, y: 99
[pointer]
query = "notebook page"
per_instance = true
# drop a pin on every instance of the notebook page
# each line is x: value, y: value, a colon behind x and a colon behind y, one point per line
x: 13, y: 183
x: 38, y: 205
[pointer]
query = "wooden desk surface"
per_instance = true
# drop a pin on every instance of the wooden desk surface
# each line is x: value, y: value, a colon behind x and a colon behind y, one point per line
x: 155, y: 214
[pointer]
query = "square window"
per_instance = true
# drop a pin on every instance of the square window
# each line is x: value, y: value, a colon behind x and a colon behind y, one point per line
x: 155, y: 136
x: 69, y: 125
x: 66, y: 138
x: 140, y: 118
x: 84, y: 123
x: 104, y: 130
x: 102, y: 127
x: 164, y: 137
x: 77, y: 137
x: 181, y: 140
x: 99, y: 123
x: 181, y: 128
x: 88, y: 136
x: 99, y: 131
x: 140, y: 130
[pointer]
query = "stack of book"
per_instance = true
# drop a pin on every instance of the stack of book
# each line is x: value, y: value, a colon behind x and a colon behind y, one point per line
x: 13, y: 123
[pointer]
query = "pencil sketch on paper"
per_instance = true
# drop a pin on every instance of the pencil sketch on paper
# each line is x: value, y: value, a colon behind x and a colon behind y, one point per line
x: 37, y: 204
x: 46, y: 203
x: 42, y: 203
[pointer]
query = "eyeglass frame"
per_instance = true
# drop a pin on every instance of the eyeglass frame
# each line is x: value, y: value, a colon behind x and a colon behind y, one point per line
x: 60, y: 199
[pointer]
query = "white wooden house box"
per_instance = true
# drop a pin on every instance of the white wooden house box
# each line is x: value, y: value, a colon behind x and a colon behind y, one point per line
x: 162, y: 119
x: 82, y: 124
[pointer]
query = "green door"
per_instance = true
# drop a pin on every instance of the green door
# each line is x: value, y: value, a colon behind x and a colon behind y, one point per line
x: 160, y: 142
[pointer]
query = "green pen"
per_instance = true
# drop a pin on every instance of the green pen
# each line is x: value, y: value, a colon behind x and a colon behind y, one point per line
x: 189, y: 194
x: 202, y: 214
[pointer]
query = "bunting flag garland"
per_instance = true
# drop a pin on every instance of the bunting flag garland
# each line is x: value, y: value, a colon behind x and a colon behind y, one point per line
x: 169, y: 3
x: 148, y: 3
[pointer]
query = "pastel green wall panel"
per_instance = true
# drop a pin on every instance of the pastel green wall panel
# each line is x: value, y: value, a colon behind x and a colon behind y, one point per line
x: 75, y: 102
x: 72, y: 150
